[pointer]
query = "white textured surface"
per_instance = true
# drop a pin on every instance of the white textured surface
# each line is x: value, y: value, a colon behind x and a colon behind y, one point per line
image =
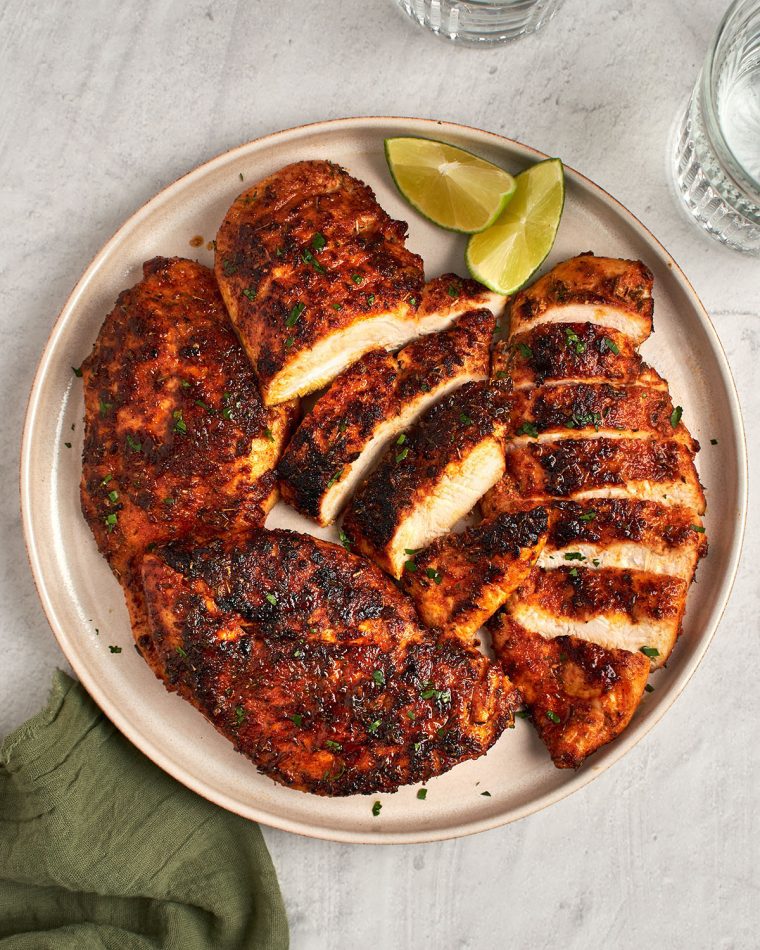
x: 103, y: 104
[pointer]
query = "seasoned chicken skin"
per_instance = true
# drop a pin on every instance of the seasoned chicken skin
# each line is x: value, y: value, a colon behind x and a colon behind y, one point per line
x: 177, y: 441
x: 580, y: 695
x: 314, y: 274
x: 608, y: 292
x: 314, y: 665
x: 369, y: 405
x: 431, y: 477
x: 461, y: 580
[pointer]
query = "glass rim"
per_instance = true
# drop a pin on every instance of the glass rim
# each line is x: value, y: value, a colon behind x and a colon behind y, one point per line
x: 732, y: 166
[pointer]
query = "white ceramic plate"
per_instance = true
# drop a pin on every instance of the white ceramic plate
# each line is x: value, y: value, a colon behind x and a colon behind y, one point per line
x: 81, y: 597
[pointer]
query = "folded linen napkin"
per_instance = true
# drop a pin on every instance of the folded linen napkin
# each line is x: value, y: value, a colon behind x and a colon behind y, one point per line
x: 101, y: 849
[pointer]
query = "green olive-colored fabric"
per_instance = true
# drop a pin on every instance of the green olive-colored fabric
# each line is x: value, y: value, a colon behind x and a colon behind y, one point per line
x: 101, y: 849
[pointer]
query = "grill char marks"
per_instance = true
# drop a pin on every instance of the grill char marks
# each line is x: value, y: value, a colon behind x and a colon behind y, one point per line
x: 459, y: 581
x: 314, y: 665
x: 367, y: 407
x: 314, y: 274
x: 422, y: 487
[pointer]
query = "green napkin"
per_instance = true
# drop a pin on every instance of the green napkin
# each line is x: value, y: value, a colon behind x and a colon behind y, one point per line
x: 101, y: 849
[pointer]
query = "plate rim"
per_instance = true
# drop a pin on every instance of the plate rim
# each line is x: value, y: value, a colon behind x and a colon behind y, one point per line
x: 180, y: 772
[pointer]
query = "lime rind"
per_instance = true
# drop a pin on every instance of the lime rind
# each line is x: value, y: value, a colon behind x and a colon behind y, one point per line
x: 468, y: 197
x: 508, y: 254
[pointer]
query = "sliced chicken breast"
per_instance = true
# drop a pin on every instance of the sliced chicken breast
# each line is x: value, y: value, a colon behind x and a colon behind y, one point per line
x: 449, y: 296
x: 580, y: 695
x: 602, y: 467
x: 431, y: 478
x: 369, y: 405
x: 314, y: 274
x: 625, y: 533
x: 586, y: 410
x: 461, y: 580
x: 572, y: 352
x: 606, y: 291
x: 616, y: 609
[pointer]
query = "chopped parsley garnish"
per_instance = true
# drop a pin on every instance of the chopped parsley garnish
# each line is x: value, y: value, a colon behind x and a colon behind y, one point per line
x: 337, y: 306
x: 344, y: 540
x: 335, y: 478
x: 410, y: 566
x: 227, y: 414
x: 713, y: 441
x: 179, y: 423
x: 453, y: 290
x: 290, y: 341
x: 77, y: 371
x: 433, y: 574
x: 374, y: 726
x: 698, y: 528
x: 410, y: 714
x: 649, y: 688
x: 412, y: 301
x: 357, y: 278
x: 441, y: 695
x: 318, y: 241
x: 486, y: 794
x: 528, y: 428
x: 269, y: 434
x: 229, y: 267
x: 651, y: 652
x: 240, y: 175
x: 522, y: 714
x: 250, y: 293
x: 308, y: 258
x: 113, y: 496
x: 580, y: 420
x: 379, y: 677
x: 169, y: 501
x: 401, y: 439
x: 588, y: 516
x: 272, y: 598
x: 67, y: 444
x: 296, y: 719
x: 422, y: 794
x: 107, y: 479
x: 402, y: 454
x: 425, y: 387
x: 573, y: 572
x: 370, y: 299
x: 333, y: 746
x: 181, y: 651
x: 675, y: 416
x: 411, y: 550
x: 502, y: 374
x: 111, y: 520
x: 184, y: 384
x: 525, y: 351
x: 550, y: 714
x: 465, y: 419
x: 608, y: 344
x: 114, y: 649
x: 574, y: 341
x: 574, y: 556
x: 376, y: 809
x: 202, y: 404
x: 295, y: 314
x: 104, y: 407
x: 239, y: 714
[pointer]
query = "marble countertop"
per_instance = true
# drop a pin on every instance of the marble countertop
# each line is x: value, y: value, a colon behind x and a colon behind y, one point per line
x: 105, y: 103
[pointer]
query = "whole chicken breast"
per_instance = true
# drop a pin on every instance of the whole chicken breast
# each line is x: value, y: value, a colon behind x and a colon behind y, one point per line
x: 315, y: 666
x: 369, y: 405
x: 177, y: 441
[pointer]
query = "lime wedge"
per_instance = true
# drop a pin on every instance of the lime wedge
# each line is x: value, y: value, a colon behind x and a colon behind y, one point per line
x: 449, y: 186
x: 506, y: 256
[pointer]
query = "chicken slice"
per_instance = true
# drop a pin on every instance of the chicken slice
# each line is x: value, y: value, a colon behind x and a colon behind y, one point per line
x: 585, y: 410
x: 449, y: 296
x: 575, y: 352
x: 433, y: 477
x: 576, y: 469
x: 461, y: 580
x: 580, y: 695
x: 314, y: 274
x: 605, y: 291
x: 369, y: 404
x: 616, y: 609
x: 315, y: 666
x: 625, y: 533
x: 177, y: 440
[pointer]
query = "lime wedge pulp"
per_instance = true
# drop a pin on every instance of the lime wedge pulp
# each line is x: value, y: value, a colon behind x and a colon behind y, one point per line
x: 506, y: 256
x: 451, y: 187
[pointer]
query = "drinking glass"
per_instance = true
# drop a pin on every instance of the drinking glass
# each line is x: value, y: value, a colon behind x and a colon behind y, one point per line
x: 716, y: 156
x: 481, y: 22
